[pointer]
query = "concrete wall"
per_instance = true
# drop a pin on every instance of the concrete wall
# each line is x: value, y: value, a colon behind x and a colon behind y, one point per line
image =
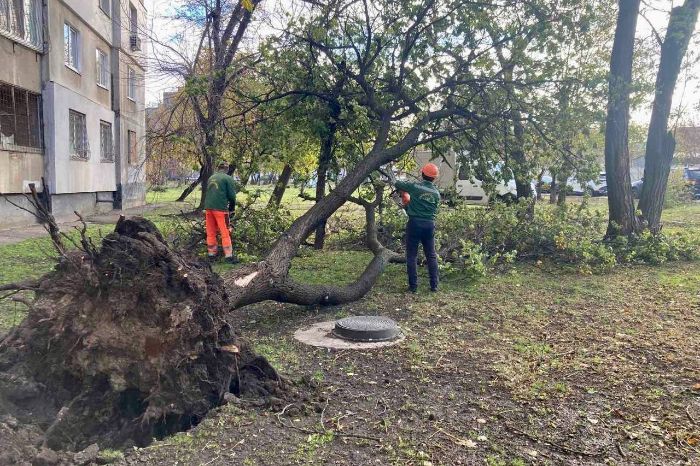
x: 65, y: 175
x: 21, y: 66
x: 18, y: 169
x: 447, y: 176
x: 11, y: 216
x: 131, y: 175
x: 64, y: 205
x: 94, y: 33
x: 125, y: 29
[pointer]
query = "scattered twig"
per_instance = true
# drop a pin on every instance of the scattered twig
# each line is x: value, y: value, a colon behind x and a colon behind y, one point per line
x: 313, y: 431
x: 690, y: 416
x: 560, y: 447
x: 619, y: 449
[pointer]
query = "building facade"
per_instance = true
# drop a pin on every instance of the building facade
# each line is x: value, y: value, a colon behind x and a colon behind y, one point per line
x: 71, y: 105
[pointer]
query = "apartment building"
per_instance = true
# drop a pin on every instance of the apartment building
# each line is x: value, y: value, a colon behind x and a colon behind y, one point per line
x: 71, y: 105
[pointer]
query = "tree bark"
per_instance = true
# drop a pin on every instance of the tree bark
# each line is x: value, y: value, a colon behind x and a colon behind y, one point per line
x: 622, y: 219
x: 324, y: 160
x: 554, y: 189
x: 520, y: 172
x: 280, y: 187
x: 561, y: 193
x: 269, y: 279
x: 660, y: 142
x: 540, y: 183
x: 188, y: 190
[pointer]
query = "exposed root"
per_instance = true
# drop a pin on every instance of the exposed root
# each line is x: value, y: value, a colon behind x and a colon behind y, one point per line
x: 125, y: 346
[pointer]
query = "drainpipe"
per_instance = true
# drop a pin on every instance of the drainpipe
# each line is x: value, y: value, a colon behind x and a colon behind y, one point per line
x: 116, y: 101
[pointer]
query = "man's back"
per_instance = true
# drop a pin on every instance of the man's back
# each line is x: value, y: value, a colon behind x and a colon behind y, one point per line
x: 425, y: 199
x: 221, y: 190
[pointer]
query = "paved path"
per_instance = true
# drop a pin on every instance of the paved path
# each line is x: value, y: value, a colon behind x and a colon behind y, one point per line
x: 17, y: 234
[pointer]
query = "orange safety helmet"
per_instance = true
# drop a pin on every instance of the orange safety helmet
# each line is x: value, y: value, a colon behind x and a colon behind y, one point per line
x: 430, y: 170
x: 405, y: 198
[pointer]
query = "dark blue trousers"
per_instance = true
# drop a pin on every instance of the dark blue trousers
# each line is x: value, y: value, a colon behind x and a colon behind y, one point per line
x: 421, y: 231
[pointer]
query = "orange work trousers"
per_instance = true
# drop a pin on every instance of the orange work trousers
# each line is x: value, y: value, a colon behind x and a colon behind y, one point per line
x: 216, y: 222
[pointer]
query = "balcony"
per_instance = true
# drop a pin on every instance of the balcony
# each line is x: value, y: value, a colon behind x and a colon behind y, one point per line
x: 135, y: 43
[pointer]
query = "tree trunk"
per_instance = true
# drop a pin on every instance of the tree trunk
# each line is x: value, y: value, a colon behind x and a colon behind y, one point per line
x: 188, y: 190
x: 324, y: 160
x: 622, y: 219
x: 280, y: 187
x: 540, y: 183
x: 561, y: 197
x: 554, y: 189
x: 522, y: 180
x: 660, y: 142
x: 207, y: 171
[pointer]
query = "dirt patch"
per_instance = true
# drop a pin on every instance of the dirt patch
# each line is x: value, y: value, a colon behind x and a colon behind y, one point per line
x: 123, y: 345
x: 525, y: 368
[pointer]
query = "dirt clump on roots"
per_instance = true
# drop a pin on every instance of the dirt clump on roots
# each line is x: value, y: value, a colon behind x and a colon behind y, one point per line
x: 123, y: 344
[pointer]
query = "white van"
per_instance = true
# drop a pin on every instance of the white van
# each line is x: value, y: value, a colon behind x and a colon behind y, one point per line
x: 469, y: 188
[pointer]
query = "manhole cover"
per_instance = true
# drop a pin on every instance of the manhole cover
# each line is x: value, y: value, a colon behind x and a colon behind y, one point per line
x: 366, y: 328
x: 321, y: 335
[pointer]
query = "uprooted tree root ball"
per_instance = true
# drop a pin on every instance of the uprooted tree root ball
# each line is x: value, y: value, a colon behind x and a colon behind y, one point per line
x: 124, y: 344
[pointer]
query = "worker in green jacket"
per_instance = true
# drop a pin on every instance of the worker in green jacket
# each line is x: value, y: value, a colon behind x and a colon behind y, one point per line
x: 220, y: 200
x: 422, y: 207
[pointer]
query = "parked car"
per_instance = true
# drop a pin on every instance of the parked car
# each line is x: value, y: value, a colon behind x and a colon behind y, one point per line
x: 472, y: 190
x: 574, y: 188
x: 637, y: 188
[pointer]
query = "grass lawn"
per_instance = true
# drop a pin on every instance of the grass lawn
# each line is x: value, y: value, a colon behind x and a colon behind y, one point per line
x: 290, y: 199
x: 529, y: 366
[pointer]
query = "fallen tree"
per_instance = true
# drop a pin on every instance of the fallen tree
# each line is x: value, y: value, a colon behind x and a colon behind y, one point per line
x: 125, y: 343
x: 129, y: 340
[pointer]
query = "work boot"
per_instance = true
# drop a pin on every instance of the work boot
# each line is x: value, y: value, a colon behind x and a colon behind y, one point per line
x: 232, y: 260
x: 211, y: 259
x: 412, y: 290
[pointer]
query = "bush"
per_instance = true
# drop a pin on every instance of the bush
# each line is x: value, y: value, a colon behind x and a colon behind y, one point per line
x: 678, y: 191
x: 159, y: 188
x: 469, y: 239
x: 255, y: 229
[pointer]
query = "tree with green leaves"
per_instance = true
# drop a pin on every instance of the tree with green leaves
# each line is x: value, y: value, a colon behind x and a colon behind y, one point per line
x: 208, y: 67
x: 660, y: 141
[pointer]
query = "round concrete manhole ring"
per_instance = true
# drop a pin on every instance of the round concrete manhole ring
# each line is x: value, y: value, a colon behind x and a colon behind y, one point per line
x: 366, y: 328
x: 321, y: 335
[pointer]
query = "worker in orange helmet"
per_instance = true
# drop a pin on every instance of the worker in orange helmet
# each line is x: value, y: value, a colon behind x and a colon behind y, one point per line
x: 422, y: 207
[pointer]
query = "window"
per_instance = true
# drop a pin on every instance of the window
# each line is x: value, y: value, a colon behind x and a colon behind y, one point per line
x: 102, y: 69
x: 132, y: 147
x: 131, y: 83
x: 106, y: 148
x: 21, y: 21
x: 79, y: 145
x: 20, y: 117
x: 104, y: 6
x: 133, y: 20
x: 71, y: 47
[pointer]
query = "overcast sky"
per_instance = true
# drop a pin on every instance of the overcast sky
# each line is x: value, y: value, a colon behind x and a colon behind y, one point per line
x: 655, y: 12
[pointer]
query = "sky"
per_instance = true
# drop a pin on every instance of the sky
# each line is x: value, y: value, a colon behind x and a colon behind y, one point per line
x: 654, y: 18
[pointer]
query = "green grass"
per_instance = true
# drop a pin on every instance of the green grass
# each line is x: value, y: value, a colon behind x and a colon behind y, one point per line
x: 290, y: 199
x: 171, y: 194
x: 34, y: 257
